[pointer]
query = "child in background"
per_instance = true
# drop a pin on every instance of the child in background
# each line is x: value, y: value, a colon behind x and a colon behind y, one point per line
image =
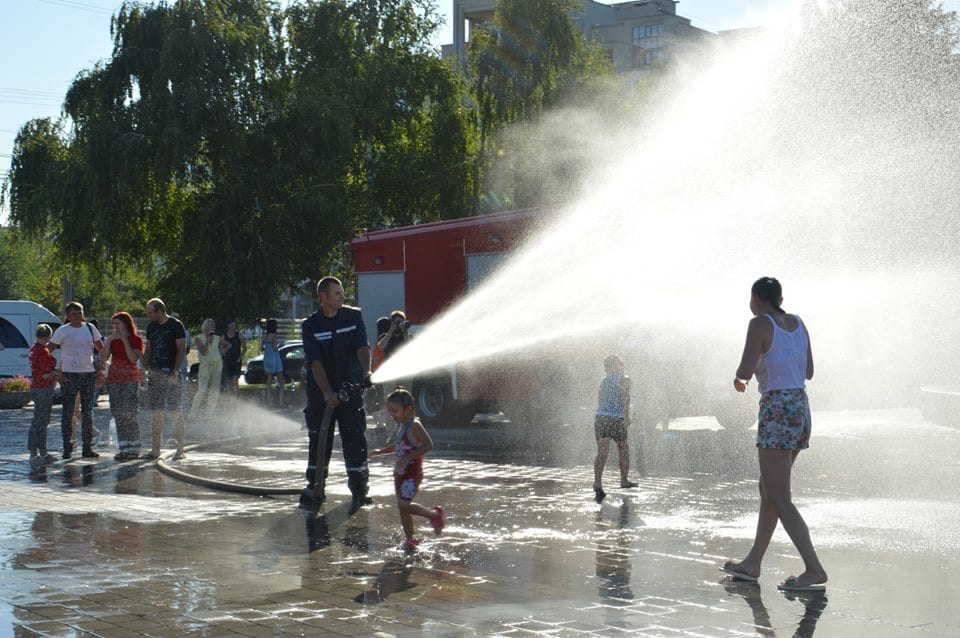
x: 273, y: 364
x: 613, y: 418
x: 43, y: 378
x: 411, y: 443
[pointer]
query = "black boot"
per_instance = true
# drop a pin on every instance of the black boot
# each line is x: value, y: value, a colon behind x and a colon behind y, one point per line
x: 306, y: 501
x: 88, y: 453
x: 357, y: 482
x: 310, y: 499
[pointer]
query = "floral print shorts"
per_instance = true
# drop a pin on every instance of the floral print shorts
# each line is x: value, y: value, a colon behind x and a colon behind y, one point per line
x: 784, y: 420
x: 407, y: 484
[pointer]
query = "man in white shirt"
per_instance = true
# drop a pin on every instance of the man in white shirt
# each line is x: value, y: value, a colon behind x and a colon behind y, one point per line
x: 77, y: 341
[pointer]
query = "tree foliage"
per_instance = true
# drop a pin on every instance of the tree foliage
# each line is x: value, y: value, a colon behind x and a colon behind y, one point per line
x: 32, y: 269
x: 239, y: 146
x: 22, y: 271
x: 532, y: 58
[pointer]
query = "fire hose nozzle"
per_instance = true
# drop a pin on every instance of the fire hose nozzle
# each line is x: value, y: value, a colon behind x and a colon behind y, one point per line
x: 350, y: 391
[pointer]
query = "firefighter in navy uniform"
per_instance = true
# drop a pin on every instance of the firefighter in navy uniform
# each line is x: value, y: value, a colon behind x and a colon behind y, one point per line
x: 336, y: 352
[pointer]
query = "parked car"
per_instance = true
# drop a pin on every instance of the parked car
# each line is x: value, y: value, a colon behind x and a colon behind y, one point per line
x: 292, y: 355
x: 18, y: 327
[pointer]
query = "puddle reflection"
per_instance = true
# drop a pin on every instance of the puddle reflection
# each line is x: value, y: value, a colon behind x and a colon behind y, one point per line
x: 814, y: 604
x: 318, y: 532
x: 74, y: 476
x: 393, y: 578
x: 125, y: 479
x: 322, y: 525
x: 613, y: 555
x: 356, y: 537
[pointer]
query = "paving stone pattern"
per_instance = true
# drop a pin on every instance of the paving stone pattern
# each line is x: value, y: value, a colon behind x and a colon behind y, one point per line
x: 101, y: 549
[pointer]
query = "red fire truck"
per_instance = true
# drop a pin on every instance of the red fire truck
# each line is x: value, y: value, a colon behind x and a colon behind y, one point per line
x: 422, y: 270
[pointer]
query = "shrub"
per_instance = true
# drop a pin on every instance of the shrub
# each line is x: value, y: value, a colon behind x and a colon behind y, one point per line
x: 15, y: 384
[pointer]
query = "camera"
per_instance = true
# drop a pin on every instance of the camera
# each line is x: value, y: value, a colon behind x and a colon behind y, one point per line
x: 404, y: 325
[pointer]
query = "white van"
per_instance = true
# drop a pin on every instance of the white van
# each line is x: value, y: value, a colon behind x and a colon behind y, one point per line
x: 18, y: 329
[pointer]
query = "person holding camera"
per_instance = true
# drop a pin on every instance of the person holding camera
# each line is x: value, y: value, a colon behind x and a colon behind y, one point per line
x: 336, y: 353
x: 392, y: 332
x: 397, y: 335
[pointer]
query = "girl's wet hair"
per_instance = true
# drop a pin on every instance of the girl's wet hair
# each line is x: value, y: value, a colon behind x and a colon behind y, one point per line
x: 401, y: 396
x: 768, y: 289
x: 271, y: 326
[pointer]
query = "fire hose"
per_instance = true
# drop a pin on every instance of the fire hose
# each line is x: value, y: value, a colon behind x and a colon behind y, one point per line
x: 347, y: 392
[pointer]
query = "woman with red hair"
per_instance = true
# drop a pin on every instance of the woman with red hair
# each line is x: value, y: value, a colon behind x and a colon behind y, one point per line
x: 123, y: 349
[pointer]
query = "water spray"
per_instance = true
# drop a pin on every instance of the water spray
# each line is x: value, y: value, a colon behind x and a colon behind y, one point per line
x: 790, y: 155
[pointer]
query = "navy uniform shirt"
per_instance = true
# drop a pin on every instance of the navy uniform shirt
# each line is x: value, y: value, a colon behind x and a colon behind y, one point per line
x: 334, y: 341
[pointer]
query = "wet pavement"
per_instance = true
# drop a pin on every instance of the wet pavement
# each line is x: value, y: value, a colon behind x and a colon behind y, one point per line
x: 102, y: 549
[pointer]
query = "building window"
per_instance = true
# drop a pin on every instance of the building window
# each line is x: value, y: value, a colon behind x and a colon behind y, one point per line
x: 647, y: 44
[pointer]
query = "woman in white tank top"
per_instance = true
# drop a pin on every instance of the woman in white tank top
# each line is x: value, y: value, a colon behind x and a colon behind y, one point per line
x: 778, y: 352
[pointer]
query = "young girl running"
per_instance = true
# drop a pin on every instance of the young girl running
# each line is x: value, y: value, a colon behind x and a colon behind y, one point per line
x: 411, y: 443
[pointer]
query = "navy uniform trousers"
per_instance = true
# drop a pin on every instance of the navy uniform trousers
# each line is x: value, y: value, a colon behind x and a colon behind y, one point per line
x: 351, y: 420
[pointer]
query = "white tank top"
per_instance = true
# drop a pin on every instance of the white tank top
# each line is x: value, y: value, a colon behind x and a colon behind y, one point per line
x: 784, y: 365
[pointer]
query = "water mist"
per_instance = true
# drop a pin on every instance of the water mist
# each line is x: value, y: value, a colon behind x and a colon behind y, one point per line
x: 821, y: 152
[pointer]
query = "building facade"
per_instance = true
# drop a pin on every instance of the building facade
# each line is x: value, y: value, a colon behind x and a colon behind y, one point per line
x: 636, y: 35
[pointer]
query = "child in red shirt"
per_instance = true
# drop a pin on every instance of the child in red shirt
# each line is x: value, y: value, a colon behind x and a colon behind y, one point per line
x: 43, y: 378
x: 411, y: 443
